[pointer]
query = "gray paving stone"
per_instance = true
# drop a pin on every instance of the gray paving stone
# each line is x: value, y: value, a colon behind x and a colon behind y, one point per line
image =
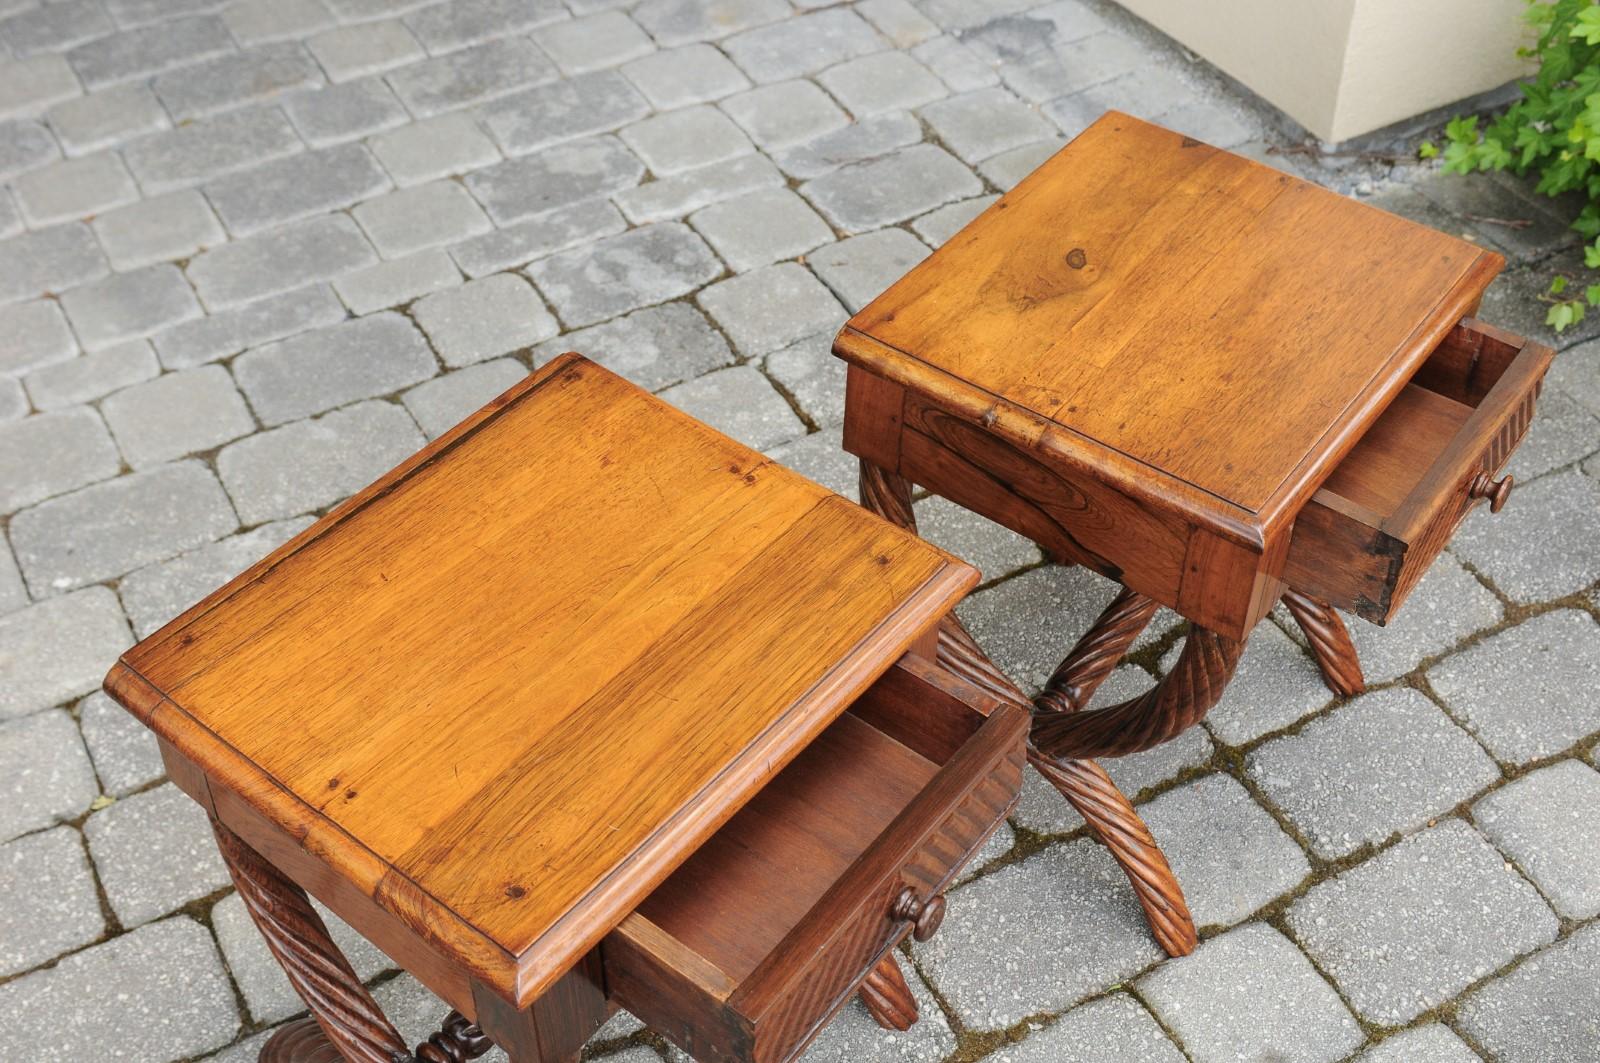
x: 801, y: 46
x: 228, y: 332
x: 299, y: 186
x: 761, y: 228
x: 350, y: 52
x: 233, y: 80
x: 1006, y: 170
x: 856, y: 142
x: 977, y: 125
x: 1545, y: 1011
x: 685, y: 139
x: 278, y: 261
x: 1544, y: 821
x: 1432, y: 1043
x: 676, y: 196
x: 484, y: 318
x: 265, y: 988
x: 1276, y: 684
x: 1113, y: 1028
x: 874, y: 84
x: 421, y: 217
x: 13, y: 595
x: 316, y: 371
x: 337, y: 113
x: 124, y: 750
x: 176, y: 225
x: 126, y: 306
x: 853, y: 1035
x: 310, y: 465
x: 1231, y: 856
x: 1212, y: 123
x: 621, y: 273
x: 1444, y: 608
x: 772, y: 307
x: 447, y: 27
x: 10, y: 222
x: 155, y: 853
x: 156, y: 594
x: 681, y: 77
x: 24, y: 144
x: 1027, y: 624
x: 36, y: 335
x: 133, y: 13
x: 176, y: 414
x: 106, y: 119
x: 812, y: 377
x: 1563, y: 431
x: 28, y: 86
x: 675, y: 22
x: 788, y: 113
x: 398, y: 281
x: 51, y: 905
x: 741, y: 403
x: 566, y: 174
x: 1045, y: 811
x: 1294, y: 1016
x: 439, y: 404
x: 1576, y: 373
x: 151, y: 50
x: 1459, y: 195
x: 1525, y: 692
x: 522, y: 242
x: 47, y: 775
x: 563, y: 110
x: 50, y: 260
x: 54, y: 27
x: 486, y: 72
x: 1012, y: 36
x: 1065, y: 916
x: 183, y: 1006
x: 437, y: 147
x: 261, y: 21
x: 938, y: 226
x: 367, y: 10
x: 859, y: 268
x: 74, y: 188
x: 1385, y: 764
x: 106, y: 530
x: 1072, y: 66
x: 49, y: 453
x: 996, y: 551
x: 654, y: 347
x: 212, y: 147
x: 1412, y: 927
x: 870, y: 195
x: 593, y: 42
x: 58, y: 649
x: 821, y: 458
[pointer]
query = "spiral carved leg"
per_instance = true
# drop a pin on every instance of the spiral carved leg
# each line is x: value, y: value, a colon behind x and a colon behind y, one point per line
x: 457, y: 1041
x: 1083, y: 670
x: 1330, y: 643
x: 303, y: 1041
x: 887, y: 997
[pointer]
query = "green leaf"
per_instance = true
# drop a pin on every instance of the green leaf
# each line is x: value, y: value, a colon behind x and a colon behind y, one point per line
x: 1592, y: 293
x: 1558, y: 285
x: 1427, y: 150
x: 1587, y: 26
x: 1559, y: 317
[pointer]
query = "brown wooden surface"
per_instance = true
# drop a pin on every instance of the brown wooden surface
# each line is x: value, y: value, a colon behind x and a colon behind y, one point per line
x: 512, y: 685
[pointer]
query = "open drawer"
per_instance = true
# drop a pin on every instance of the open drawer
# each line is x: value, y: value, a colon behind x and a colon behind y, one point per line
x: 747, y: 949
x: 1386, y: 511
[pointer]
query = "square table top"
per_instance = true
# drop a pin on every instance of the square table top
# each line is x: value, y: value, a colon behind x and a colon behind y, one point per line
x: 514, y: 683
x: 1203, y: 330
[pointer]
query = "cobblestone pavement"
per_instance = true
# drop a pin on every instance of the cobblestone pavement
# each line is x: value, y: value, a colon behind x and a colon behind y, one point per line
x: 253, y: 254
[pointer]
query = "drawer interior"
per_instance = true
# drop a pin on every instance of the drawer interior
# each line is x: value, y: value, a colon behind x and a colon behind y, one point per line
x: 1382, y: 470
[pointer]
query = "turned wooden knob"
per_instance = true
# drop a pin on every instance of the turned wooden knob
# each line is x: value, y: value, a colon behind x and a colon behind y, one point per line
x: 1496, y: 491
x: 923, y: 915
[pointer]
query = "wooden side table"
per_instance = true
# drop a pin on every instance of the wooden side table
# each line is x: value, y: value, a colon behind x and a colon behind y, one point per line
x: 1214, y: 383
x: 585, y: 706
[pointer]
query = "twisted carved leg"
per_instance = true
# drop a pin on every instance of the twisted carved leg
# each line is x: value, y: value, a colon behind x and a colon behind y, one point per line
x: 1082, y: 782
x: 346, y: 1023
x: 887, y: 997
x: 1330, y: 643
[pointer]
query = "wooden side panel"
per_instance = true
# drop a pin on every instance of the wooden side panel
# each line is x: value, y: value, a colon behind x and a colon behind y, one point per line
x: 1226, y: 586
x: 872, y: 420
x: 1338, y: 554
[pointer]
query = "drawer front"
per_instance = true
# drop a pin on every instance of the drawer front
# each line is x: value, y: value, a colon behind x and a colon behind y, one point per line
x: 1366, y: 557
x: 825, y: 984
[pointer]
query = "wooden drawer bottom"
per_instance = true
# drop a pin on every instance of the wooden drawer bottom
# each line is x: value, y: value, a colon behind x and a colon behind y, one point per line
x: 755, y: 941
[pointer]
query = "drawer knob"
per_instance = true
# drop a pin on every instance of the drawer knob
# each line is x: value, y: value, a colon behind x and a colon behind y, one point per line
x: 923, y: 915
x: 1496, y: 491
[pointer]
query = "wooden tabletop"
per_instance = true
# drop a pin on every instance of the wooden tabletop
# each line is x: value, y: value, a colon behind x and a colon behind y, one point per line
x: 1205, y: 331
x: 516, y: 682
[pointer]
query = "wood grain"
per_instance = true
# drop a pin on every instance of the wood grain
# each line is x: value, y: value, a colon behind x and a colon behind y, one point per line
x: 510, y: 686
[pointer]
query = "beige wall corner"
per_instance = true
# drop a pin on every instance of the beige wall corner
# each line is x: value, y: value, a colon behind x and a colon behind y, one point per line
x: 1342, y: 68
